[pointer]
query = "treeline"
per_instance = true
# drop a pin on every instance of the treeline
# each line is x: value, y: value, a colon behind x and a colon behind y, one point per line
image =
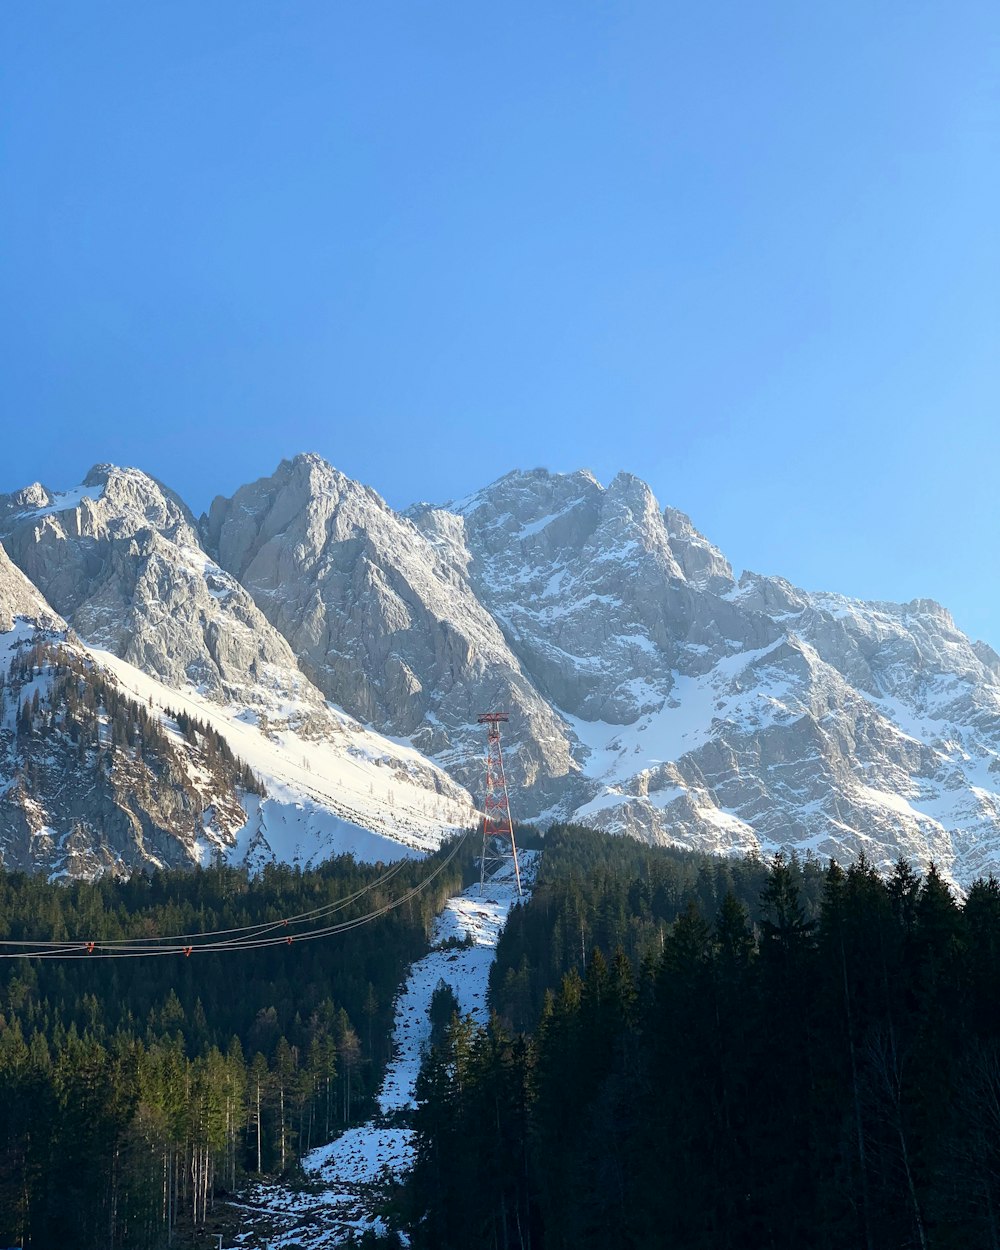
x: 77, y: 702
x: 216, y: 750
x: 76, y: 699
x: 738, y: 1056
x: 132, y: 1090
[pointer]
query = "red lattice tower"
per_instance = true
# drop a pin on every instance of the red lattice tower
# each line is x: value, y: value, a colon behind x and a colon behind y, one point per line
x: 498, y: 830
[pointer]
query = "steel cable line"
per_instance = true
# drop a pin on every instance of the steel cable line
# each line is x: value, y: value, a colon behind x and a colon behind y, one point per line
x: 251, y: 941
x: 99, y: 950
x: 262, y: 926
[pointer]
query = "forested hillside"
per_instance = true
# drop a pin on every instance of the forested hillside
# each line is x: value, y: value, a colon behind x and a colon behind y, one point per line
x: 94, y: 781
x: 133, y: 1089
x: 722, y: 1055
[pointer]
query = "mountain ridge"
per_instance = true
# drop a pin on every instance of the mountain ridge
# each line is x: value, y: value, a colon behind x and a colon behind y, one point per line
x: 652, y: 692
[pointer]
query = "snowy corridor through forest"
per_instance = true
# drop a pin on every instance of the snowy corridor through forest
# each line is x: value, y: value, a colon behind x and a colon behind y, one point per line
x: 346, y: 1176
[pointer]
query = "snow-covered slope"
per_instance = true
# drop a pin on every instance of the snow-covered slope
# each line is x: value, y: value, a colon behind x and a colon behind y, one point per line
x: 363, y: 794
x: 349, y: 1173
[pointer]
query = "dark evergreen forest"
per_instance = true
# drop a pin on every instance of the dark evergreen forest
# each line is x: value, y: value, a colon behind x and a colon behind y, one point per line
x: 712, y: 1055
x: 133, y: 1090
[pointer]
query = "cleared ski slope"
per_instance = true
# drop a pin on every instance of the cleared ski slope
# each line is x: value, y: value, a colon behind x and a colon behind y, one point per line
x: 352, y: 1168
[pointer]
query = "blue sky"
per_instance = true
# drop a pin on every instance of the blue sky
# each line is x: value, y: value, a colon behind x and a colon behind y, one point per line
x: 747, y: 251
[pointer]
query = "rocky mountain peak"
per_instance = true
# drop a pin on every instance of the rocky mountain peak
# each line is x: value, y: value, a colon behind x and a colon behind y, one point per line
x: 306, y: 500
x: 381, y: 614
x: 119, y: 557
x: 523, y: 498
x: 589, y: 590
x: 111, y: 503
x: 634, y: 493
x: 702, y: 564
x: 33, y: 496
x: 631, y: 527
x: 134, y: 499
x: 623, y: 518
x: 772, y: 595
x: 934, y: 611
x: 319, y: 478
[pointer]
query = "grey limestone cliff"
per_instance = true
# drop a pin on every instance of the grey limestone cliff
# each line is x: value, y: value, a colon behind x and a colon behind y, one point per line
x: 382, y: 623
x: 120, y: 558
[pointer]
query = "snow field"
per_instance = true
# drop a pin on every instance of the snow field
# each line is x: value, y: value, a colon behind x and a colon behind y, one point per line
x: 352, y: 794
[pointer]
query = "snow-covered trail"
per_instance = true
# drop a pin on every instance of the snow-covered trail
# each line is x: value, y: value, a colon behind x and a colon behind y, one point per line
x: 350, y: 1168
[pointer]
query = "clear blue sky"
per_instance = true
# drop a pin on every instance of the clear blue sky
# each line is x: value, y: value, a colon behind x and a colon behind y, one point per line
x: 749, y: 251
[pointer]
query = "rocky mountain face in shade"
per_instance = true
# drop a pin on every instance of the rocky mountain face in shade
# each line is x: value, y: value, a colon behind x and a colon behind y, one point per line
x: 650, y: 692
x: 20, y: 600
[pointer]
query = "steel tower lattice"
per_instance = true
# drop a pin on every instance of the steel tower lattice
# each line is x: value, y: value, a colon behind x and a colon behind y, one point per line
x: 497, y: 827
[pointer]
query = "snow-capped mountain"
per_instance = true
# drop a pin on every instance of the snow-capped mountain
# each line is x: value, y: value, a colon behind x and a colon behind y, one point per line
x: 735, y: 717
x: 120, y: 558
x: 89, y: 780
x: 650, y: 693
x: 385, y: 626
x: 145, y: 612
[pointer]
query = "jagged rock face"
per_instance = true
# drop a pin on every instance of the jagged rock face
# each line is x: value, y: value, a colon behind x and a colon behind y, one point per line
x: 885, y: 649
x: 602, y: 601
x: 733, y: 717
x: 693, y: 710
x: 880, y: 734
x: 121, y: 559
x: 703, y: 566
x: 773, y: 749
x: 20, y: 599
x: 382, y: 622
x: 124, y: 560
x: 649, y: 692
x: 67, y: 816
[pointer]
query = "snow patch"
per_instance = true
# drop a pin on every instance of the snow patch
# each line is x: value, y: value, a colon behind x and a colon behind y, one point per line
x: 358, y: 1159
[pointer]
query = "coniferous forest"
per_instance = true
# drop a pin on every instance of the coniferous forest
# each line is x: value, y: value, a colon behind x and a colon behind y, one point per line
x: 684, y: 1052
x: 134, y: 1090
x: 698, y: 1053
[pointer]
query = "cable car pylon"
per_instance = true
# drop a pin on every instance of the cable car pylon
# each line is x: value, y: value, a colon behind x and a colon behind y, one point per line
x: 497, y: 826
